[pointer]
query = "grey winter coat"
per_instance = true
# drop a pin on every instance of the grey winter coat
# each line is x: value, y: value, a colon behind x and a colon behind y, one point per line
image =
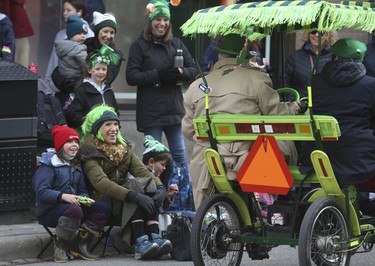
x: 72, y: 58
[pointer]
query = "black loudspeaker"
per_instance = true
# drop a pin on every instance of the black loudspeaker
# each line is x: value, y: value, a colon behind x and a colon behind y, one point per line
x: 17, y: 166
x: 18, y: 138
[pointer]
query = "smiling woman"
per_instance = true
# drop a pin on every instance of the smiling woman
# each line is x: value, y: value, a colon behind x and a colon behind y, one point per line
x: 107, y: 160
x: 151, y: 68
x: 300, y: 63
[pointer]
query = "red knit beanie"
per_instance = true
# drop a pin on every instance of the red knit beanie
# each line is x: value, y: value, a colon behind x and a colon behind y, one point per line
x: 62, y: 134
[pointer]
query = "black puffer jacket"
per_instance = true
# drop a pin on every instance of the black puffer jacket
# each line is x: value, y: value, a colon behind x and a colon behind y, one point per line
x: 157, y: 104
x: 298, y: 68
x: 344, y: 91
x: 369, y: 60
x: 87, y: 96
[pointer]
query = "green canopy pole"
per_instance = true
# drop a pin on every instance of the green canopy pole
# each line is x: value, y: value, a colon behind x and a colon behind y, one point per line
x: 318, y: 139
x: 204, y: 87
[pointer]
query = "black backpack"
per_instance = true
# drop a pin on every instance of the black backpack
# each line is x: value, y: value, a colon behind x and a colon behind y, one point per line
x: 178, y: 232
x: 49, y: 114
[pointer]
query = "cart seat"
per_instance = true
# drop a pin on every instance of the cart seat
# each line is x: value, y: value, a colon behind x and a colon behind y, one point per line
x: 234, y: 127
x: 299, y: 177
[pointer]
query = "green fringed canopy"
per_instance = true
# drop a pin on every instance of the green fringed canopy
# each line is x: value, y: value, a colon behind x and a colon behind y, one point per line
x: 258, y: 19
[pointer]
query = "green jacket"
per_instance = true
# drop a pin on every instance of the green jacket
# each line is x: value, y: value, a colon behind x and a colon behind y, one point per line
x: 105, y: 182
x: 104, y: 178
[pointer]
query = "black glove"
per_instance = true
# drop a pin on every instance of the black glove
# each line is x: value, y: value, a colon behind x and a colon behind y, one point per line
x: 146, y: 202
x: 170, y: 75
x: 159, y: 197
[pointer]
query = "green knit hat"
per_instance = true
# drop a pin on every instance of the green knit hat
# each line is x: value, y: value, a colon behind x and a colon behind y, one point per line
x: 158, y: 8
x: 94, y: 120
x: 153, y: 148
x: 349, y: 48
x: 231, y: 45
x: 106, y: 116
x: 103, y: 20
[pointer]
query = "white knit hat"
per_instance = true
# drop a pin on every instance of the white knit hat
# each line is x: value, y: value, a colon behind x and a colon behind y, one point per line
x: 103, y: 20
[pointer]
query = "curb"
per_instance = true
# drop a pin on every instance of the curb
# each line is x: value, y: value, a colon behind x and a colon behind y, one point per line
x: 23, y: 247
x: 21, y: 243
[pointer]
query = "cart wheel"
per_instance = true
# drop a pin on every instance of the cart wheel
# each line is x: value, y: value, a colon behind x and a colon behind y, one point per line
x: 323, y: 225
x: 211, y: 243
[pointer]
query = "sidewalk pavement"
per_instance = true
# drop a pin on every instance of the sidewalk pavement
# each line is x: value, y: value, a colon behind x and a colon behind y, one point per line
x: 20, y: 243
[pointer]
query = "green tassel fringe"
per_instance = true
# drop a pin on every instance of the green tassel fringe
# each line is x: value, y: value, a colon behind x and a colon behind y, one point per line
x: 257, y: 20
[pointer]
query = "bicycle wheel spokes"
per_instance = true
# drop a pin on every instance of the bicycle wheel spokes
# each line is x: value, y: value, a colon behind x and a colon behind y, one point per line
x: 322, y: 231
x: 212, y: 240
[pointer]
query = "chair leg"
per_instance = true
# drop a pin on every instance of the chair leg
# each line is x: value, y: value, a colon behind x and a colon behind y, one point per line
x: 118, y: 251
x: 44, y: 249
x: 104, y: 237
x: 52, y: 239
x: 105, y: 244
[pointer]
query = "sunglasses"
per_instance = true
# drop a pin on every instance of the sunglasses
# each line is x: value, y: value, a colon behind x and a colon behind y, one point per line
x: 315, y: 32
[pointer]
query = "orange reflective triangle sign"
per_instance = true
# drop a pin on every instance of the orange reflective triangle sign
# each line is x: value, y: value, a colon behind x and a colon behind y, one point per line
x: 265, y: 169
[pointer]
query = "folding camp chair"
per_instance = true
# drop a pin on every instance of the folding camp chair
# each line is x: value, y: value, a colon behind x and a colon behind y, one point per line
x: 52, y: 239
x: 104, y: 240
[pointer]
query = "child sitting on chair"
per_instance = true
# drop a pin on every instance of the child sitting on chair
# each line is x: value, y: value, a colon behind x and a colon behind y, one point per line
x: 61, y: 198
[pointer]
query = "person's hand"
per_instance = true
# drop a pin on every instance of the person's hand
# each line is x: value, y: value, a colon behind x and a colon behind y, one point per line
x: 265, y: 62
x: 146, y: 202
x: 159, y: 197
x: 172, y: 190
x: 85, y: 200
x: 170, y: 75
x: 293, y: 107
x: 70, y: 198
x: 256, y: 65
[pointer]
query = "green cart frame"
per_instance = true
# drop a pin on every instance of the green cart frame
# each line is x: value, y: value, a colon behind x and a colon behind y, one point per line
x: 324, y: 223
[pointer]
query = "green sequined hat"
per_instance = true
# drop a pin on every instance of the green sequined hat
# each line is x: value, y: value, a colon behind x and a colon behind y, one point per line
x: 158, y: 8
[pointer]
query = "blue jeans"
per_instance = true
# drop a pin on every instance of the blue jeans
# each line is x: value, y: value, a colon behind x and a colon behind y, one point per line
x: 175, y: 139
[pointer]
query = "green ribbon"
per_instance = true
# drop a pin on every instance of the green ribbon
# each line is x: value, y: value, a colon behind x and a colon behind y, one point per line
x: 105, y: 55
